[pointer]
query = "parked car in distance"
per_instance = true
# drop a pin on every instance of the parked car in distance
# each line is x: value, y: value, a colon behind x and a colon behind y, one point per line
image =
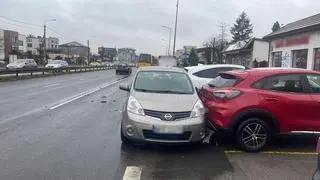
x: 95, y: 63
x: 167, y: 61
x: 316, y: 175
x: 254, y: 105
x: 123, y: 68
x: 57, y: 64
x: 201, y: 75
x: 162, y: 106
x: 22, y: 63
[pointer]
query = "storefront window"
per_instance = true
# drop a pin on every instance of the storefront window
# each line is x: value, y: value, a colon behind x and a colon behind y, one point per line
x: 276, y: 59
x: 317, y: 59
x: 299, y: 58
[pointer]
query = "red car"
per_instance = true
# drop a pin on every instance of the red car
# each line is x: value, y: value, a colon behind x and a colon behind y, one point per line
x: 254, y: 105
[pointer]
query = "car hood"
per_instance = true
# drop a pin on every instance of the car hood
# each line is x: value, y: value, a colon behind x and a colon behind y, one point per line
x: 53, y: 65
x: 15, y: 64
x: 166, y: 102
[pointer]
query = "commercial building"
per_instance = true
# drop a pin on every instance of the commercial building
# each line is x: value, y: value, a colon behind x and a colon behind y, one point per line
x: 11, y: 43
x: 296, y: 44
x: 251, y: 53
x: 74, y: 49
x: 22, y: 43
x: 2, y: 56
x: 107, y: 54
x: 127, y: 55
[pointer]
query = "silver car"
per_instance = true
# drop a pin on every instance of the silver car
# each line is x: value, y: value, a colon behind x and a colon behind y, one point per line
x: 162, y: 106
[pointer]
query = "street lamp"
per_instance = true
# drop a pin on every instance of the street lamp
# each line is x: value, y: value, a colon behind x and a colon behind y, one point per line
x: 88, y: 43
x: 170, y: 29
x: 175, y: 29
x: 45, y: 38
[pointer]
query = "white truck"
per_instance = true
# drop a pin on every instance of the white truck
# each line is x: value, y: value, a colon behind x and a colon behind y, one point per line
x: 167, y: 61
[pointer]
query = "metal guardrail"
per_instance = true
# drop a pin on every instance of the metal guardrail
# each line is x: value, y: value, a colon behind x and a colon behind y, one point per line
x: 54, y: 70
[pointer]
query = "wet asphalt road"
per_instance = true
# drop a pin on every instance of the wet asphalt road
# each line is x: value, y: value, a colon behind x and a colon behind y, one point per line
x: 80, y: 139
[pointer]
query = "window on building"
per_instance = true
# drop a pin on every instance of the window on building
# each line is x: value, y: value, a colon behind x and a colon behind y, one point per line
x: 276, y: 59
x: 20, y: 43
x: 29, y: 45
x: 299, y: 58
x: 316, y: 63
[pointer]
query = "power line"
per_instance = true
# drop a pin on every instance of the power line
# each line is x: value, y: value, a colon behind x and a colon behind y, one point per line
x: 3, y: 17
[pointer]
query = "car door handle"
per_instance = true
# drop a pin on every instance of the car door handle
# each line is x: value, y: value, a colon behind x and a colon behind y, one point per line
x: 272, y: 99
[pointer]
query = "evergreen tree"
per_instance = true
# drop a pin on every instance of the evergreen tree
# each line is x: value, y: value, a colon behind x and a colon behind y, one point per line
x: 276, y: 26
x: 242, y: 29
x: 193, y: 58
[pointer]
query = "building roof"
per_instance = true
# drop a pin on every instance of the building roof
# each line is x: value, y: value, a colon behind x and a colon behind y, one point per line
x: 73, y: 44
x: 298, y: 26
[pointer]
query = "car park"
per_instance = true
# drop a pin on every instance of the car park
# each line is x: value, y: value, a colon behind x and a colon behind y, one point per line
x: 255, y: 105
x: 162, y: 106
x: 123, y: 68
x: 22, y: 63
x: 201, y: 75
x: 57, y: 64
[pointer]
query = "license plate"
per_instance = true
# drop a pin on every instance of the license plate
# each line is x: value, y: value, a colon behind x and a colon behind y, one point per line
x: 167, y: 129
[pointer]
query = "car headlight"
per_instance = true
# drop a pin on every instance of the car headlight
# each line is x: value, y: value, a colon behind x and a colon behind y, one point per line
x: 198, y: 110
x: 134, y: 106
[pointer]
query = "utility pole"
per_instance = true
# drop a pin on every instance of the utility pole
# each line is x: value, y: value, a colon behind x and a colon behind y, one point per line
x: 45, y: 43
x: 170, y: 29
x: 212, y: 50
x: 88, y: 52
x: 175, y: 29
x: 223, y: 34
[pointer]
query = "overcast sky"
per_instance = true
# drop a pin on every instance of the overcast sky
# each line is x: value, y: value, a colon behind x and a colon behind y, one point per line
x: 137, y: 23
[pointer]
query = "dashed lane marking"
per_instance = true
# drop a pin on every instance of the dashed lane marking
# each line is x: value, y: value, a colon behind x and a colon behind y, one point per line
x: 132, y: 173
x: 274, y: 152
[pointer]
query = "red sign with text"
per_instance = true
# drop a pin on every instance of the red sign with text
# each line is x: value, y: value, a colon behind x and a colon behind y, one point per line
x: 298, y: 40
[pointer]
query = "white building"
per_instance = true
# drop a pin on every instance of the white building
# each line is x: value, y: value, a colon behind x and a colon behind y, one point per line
x: 52, y: 43
x: 296, y: 44
x: 2, y: 56
x: 33, y: 44
x: 251, y: 53
x: 22, y: 43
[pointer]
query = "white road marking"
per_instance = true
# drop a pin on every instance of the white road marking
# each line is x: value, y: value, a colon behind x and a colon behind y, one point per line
x: 80, y: 95
x: 132, y: 173
x: 51, y: 85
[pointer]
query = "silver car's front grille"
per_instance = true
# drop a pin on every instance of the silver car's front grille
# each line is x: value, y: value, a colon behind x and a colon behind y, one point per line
x: 161, y: 114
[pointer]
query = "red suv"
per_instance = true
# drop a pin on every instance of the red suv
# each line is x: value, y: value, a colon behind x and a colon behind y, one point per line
x: 254, y: 105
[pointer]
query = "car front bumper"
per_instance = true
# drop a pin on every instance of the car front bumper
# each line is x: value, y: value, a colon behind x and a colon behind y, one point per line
x: 142, y: 127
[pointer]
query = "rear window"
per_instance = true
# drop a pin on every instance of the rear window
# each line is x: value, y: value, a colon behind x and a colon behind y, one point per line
x: 223, y: 80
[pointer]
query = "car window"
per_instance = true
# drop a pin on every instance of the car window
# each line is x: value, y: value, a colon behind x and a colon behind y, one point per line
x: 285, y: 83
x: 223, y: 80
x: 163, y: 82
x: 314, y: 83
x: 212, y: 72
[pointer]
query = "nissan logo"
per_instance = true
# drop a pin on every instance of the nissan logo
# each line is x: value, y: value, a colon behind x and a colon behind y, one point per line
x: 168, y: 117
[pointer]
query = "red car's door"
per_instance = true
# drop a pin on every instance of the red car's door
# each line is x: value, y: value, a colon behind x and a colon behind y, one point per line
x: 314, y: 86
x: 285, y: 97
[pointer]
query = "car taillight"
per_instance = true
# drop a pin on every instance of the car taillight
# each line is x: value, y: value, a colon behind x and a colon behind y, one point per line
x: 226, y: 94
x: 318, y: 146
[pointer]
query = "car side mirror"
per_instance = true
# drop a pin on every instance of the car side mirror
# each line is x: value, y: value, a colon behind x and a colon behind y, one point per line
x: 124, y: 87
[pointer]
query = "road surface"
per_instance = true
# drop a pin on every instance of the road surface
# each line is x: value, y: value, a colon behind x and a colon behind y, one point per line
x: 67, y: 127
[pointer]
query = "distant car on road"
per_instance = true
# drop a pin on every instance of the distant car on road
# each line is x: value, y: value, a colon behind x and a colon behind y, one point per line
x: 254, y: 105
x: 57, y: 64
x: 203, y: 74
x: 22, y: 63
x: 162, y: 106
x: 95, y: 64
x: 316, y: 175
x: 123, y: 68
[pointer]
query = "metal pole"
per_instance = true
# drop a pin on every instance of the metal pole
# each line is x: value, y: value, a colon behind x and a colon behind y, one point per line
x: 169, y: 41
x: 175, y: 30
x: 44, y: 43
x: 88, y: 52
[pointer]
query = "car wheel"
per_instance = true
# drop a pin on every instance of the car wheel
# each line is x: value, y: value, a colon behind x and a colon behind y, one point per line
x: 124, y: 139
x: 253, y: 135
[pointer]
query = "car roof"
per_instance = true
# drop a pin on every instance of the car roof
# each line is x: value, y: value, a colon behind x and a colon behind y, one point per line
x: 268, y: 71
x: 161, y: 68
x: 203, y: 67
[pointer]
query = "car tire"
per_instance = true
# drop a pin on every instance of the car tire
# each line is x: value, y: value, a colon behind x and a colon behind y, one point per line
x: 124, y: 139
x: 253, y: 134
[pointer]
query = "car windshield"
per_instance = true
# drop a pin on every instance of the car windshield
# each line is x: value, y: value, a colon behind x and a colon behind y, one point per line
x: 20, y: 61
x: 56, y: 62
x: 163, y: 82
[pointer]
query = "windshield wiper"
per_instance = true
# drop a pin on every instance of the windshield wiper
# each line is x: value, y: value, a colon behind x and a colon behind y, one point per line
x: 163, y: 91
